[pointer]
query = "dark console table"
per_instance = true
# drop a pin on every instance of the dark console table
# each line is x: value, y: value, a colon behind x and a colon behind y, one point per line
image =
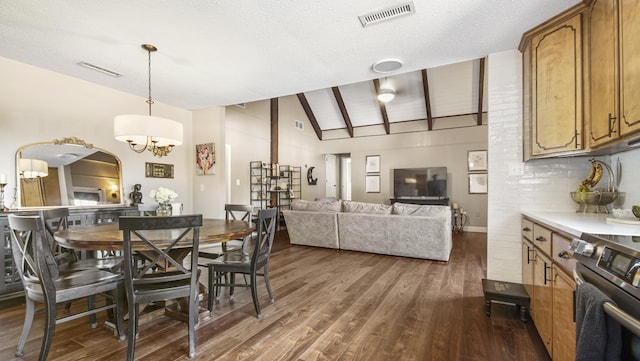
x: 439, y: 201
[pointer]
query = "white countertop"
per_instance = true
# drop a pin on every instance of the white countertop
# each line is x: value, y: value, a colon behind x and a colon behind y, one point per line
x: 576, y: 223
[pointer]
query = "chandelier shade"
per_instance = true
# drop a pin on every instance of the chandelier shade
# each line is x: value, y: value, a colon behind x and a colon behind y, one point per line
x: 147, y: 129
x: 33, y: 168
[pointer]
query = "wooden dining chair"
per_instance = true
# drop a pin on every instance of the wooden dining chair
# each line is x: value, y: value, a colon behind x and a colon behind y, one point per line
x: 56, y: 219
x: 163, y: 275
x: 44, y: 283
x: 242, y: 212
x: 249, y: 264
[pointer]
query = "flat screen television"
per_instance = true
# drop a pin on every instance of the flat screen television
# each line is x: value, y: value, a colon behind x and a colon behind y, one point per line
x: 420, y: 182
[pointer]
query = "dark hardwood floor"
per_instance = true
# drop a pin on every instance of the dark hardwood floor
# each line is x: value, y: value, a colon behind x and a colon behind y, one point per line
x: 330, y: 305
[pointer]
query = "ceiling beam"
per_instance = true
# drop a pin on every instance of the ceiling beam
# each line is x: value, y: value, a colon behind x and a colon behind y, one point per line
x: 274, y: 131
x: 480, y: 92
x: 310, y: 115
x: 427, y: 100
x: 343, y: 109
x: 383, y: 108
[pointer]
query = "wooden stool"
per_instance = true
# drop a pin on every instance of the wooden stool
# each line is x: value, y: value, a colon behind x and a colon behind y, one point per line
x: 507, y: 292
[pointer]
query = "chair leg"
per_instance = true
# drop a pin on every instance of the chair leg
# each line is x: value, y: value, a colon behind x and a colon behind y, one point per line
x: 212, y: 288
x: 119, y: 314
x: 232, y: 279
x: 254, y: 294
x: 28, y: 322
x: 133, y: 330
x: 49, y: 329
x: 267, y: 283
x: 91, y: 300
x: 193, y: 321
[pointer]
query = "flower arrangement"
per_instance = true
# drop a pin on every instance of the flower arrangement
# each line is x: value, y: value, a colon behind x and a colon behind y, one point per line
x: 163, y: 196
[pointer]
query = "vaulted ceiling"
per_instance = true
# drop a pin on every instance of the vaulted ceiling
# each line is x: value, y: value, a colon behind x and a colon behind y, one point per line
x: 220, y: 53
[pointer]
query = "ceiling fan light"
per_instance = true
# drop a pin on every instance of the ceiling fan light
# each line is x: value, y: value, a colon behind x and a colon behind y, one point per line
x: 386, y: 94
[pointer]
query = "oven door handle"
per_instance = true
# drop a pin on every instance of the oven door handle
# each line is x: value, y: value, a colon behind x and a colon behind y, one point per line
x: 614, y: 312
x: 577, y: 278
x: 622, y: 317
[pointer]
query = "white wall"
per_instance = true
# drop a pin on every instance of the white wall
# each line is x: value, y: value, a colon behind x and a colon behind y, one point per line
x: 38, y: 105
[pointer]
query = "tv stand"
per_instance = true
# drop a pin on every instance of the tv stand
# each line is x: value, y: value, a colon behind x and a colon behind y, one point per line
x: 439, y: 201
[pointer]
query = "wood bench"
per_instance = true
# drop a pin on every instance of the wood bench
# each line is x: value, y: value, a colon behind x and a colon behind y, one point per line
x: 506, y: 292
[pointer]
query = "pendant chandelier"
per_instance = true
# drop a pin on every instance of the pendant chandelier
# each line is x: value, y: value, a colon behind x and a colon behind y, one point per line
x: 147, y: 132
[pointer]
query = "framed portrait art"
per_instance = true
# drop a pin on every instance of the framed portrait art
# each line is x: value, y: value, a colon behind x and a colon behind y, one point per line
x: 372, y: 164
x: 372, y: 184
x: 477, y: 160
x: 205, y: 159
x: 478, y: 183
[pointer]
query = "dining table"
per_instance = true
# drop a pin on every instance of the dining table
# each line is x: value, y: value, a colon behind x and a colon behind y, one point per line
x: 108, y: 237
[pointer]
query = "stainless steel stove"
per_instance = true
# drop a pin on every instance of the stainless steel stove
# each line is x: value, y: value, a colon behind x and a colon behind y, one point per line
x: 612, y: 264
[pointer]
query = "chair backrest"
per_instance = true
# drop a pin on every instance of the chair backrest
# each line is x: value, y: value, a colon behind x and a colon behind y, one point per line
x: 165, y: 241
x: 243, y: 212
x: 263, y: 240
x: 147, y: 209
x: 56, y: 219
x: 31, y: 251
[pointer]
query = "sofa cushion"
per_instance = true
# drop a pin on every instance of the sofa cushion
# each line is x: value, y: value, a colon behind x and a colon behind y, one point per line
x: 323, y: 206
x: 361, y: 207
x: 406, y: 209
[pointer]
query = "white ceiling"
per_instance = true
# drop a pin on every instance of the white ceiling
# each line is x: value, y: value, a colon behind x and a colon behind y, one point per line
x: 235, y: 51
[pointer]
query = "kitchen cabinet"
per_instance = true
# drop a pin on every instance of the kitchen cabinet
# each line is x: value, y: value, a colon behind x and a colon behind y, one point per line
x: 528, y: 254
x: 564, y: 335
x: 603, y: 69
x: 629, y: 25
x: 542, y: 300
x: 546, y: 266
x: 553, y: 81
x: 614, y: 71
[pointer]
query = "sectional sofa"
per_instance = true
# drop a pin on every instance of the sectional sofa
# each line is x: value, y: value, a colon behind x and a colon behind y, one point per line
x: 408, y: 230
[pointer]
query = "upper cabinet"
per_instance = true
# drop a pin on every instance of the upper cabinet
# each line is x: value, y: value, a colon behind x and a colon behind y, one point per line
x: 553, y: 85
x: 614, y: 71
x: 581, y: 79
x: 629, y: 11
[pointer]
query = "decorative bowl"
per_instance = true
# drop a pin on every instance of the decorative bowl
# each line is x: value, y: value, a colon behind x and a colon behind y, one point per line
x: 594, y: 202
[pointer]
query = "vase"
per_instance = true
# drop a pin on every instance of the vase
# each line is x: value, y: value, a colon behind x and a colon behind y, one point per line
x: 164, y: 210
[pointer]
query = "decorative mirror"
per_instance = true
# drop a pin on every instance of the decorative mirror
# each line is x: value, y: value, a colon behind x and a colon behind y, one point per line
x: 68, y: 172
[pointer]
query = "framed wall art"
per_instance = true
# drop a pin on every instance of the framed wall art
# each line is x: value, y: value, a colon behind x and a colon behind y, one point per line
x: 477, y: 160
x: 372, y: 184
x: 372, y: 164
x: 478, y: 183
x: 205, y: 159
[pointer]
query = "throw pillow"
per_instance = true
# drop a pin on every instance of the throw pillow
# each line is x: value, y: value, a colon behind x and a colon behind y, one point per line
x: 361, y: 207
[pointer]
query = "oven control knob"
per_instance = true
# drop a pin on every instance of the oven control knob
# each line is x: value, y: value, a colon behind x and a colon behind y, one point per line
x: 581, y: 247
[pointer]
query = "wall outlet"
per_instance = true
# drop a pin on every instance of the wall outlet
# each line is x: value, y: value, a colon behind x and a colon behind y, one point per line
x: 516, y: 169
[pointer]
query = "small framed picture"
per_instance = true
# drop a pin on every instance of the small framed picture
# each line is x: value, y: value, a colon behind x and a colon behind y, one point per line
x: 205, y: 159
x: 372, y: 184
x: 372, y: 164
x: 478, y: 183
x: 477, y: 160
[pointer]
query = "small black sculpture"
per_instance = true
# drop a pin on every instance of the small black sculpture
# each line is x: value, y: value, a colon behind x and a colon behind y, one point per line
x: 136, y: 195
x: 312, y: 181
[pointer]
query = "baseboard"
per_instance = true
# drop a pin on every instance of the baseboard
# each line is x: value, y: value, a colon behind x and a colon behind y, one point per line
x: 475, y: 229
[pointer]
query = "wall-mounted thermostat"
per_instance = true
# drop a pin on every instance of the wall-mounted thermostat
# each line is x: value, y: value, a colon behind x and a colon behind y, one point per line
x: 158, y: 170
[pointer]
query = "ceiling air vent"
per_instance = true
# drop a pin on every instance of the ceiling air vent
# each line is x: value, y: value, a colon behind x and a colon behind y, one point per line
x: 241, y: 105
x: 99, y: 69
x: 387, y: 14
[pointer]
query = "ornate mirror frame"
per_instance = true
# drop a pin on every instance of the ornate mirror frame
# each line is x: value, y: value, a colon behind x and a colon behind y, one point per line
x: 76, y: 174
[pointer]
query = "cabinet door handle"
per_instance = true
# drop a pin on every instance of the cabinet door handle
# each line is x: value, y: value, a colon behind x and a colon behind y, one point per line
x: 526, y: 229
x: 540, y: 239
x: 612, y: 122
x: 530, y: 255
x: 545, y: 273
